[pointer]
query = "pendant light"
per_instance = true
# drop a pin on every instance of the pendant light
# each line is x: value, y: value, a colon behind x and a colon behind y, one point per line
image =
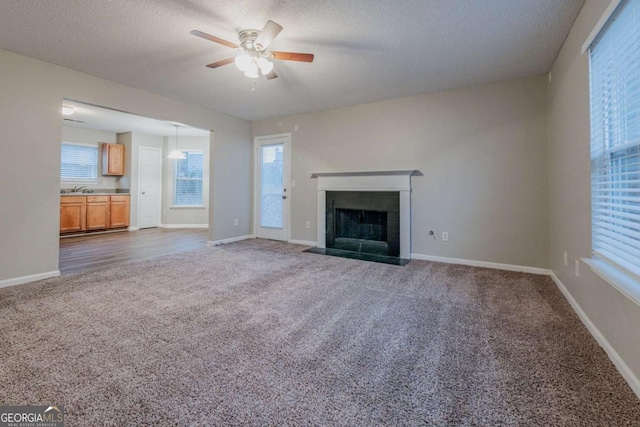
x: 176, y: 154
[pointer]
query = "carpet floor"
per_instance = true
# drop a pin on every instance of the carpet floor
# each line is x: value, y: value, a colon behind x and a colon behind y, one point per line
x: 260, y: 333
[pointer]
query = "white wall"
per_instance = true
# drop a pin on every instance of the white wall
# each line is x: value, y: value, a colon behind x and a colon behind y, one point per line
x: 614, y: 315
x: 91, y: 137
x: 173, y: 216
x: 31, y: 131
x: 482, y: 152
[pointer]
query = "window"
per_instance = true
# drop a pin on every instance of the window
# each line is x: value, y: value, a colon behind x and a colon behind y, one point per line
x: 187, y: 188
x: 78, y: 162
x: 615, y: 140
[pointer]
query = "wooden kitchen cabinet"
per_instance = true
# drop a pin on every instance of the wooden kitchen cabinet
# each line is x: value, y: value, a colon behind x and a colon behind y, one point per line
x: 97, y: 212
x: 119, y: 211
x: 73, y: 214
x: 87, y: 213
x: 112, y: 159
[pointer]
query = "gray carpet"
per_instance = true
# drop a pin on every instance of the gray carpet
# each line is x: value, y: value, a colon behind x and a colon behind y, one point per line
x: 260, y: 333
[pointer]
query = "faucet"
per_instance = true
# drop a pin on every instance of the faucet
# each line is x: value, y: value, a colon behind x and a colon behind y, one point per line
x: 77, y: 189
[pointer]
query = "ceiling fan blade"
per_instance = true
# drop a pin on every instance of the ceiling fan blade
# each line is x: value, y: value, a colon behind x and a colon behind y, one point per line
x: 214, y: 39
x: 272, y: 75
x: 292, y: 56
x: 268, y: 33
x: 221, y: 63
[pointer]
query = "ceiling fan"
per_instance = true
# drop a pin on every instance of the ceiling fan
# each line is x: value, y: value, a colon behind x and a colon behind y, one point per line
x: 254, y: 55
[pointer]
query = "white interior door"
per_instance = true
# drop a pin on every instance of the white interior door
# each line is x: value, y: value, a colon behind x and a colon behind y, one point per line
x: 150, y: 173
x: 272, y: 194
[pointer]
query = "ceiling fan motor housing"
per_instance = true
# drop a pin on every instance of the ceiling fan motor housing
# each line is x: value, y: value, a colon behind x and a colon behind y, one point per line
x: 247, y: 39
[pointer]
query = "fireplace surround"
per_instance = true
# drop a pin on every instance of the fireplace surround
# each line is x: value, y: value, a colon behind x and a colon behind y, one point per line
x: 362, y: 206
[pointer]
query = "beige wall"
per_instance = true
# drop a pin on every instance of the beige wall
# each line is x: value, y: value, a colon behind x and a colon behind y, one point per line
x: 31, y: 130
x: 233, y: 166
x: 614, y: 315
x: 482, y: 152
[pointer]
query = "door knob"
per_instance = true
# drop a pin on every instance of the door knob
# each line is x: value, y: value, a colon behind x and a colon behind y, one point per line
x: 144, y: 192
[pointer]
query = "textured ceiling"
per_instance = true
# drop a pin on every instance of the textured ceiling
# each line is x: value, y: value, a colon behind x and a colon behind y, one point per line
x: 365, y: 51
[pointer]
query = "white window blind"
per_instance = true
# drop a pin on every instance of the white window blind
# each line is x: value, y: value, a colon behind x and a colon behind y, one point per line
x: 187, y: 188
x: 78, y: 162
x: 615, y: 139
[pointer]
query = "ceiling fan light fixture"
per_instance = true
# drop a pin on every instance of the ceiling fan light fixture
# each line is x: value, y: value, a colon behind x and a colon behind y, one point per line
x: 244, y: 62
x: 252, y: 72
x: 67, y: 110
x: 265, y: 65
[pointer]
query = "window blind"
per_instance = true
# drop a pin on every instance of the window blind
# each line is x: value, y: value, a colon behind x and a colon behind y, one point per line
x: 187, y: 188
x: 78, y: 162
x: 615, y: 139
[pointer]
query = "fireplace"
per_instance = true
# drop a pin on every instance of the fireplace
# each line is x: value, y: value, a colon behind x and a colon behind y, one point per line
x: 365, y: 213
x: 363, y: 221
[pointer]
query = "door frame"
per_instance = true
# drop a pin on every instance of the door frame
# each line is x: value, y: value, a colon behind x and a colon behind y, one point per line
x: 139, y: 195
x: 286, y: 181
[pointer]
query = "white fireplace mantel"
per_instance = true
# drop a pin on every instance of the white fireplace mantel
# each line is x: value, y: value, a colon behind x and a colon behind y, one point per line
x: 389, y: 180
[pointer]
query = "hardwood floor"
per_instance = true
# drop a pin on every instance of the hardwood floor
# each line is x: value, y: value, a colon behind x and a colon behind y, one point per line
x: 93, y: 251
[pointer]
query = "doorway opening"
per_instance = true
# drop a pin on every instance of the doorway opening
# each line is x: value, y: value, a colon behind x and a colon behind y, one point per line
x: 116, y: 176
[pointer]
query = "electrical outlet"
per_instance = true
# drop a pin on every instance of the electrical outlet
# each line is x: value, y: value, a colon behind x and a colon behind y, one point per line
x: 577, y: 268
x: 566, y: 259
x: 445, y: 236
x: 308, y: 225
x: 235, y: 221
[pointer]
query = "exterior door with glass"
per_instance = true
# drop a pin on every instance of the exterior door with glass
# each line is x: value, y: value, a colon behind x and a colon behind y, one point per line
x: 272, y: 195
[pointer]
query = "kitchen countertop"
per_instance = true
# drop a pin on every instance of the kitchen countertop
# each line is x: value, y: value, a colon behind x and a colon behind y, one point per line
x: 94, y: 194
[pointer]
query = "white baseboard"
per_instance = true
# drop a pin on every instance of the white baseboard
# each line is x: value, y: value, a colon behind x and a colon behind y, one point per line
x: 622, y: 367
x: 183, y: 225
x: 230, y: 240
x: 304, y: 242
x: 133, y: 228
x: 473, y: 263
x: 30, y: 278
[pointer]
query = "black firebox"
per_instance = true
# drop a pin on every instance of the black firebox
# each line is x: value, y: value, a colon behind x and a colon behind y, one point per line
x: 364, y: 221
